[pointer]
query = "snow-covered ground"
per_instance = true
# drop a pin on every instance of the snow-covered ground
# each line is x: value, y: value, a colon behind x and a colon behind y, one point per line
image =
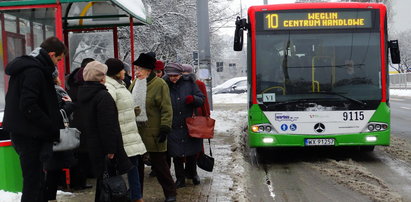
x: 228, y: 98
x: 400, y: 92
x: 217, y: 99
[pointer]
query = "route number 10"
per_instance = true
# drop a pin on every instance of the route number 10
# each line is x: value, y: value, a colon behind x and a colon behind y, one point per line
x: 272, y: 21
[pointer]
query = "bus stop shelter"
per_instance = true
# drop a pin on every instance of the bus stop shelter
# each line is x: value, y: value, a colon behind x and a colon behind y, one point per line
x: 25, y: 24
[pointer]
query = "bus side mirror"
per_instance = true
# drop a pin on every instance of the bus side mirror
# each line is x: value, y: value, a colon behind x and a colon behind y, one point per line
x: 240, y: 26
x: 394, y: 51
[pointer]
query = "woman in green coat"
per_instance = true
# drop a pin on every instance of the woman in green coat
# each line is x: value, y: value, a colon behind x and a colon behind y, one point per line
x: 152, y: 99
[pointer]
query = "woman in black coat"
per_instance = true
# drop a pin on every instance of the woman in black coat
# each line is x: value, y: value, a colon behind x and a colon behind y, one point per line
x: 99, y: 119
x: 185, y: 98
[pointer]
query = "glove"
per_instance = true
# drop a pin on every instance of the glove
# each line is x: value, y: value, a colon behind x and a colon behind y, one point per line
x: 164, y: 131
x: 162, y: 137
x: 137, y: 110
x: 189, y: 99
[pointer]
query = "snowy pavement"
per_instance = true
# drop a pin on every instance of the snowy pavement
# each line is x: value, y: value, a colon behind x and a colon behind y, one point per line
x: 226, y: 177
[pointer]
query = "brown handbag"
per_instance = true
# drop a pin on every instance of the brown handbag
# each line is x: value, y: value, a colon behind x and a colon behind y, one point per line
x: 200, y: 126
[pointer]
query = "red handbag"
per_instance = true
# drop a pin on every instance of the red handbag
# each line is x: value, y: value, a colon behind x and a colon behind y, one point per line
x: 200, y: 126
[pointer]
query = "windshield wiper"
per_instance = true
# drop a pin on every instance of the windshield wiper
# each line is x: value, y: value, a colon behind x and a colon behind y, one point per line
x: 343, y: 96
x: 280, y: 103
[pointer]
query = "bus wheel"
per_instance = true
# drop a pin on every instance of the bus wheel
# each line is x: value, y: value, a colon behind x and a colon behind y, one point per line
x: 367, y: 148
x: 257, y: 156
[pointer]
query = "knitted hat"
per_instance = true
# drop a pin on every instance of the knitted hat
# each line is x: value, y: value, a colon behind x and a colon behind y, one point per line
x: 114, y: 66
x: 86, y: 61
x: 187, y: 68
x: 94, y: 71
x: 173, y: 69
x: 159, y: 65
x: 145, y: 61
x: 152, y: 54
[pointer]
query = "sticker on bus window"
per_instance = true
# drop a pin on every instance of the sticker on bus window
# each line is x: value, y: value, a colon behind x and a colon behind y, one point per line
x: 269, y: 97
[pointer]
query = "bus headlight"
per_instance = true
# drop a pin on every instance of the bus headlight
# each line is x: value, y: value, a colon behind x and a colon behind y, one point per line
x: 254, y: 129
x: 263, y: 128
x: 371, y: 138
x: 375, y: 126
x: 268, y: 140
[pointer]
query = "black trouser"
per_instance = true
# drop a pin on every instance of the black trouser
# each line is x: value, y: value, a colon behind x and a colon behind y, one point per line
x: 160, y: 166
x: 33, y: 153
x: 140, y: 169
x: 52, y: 181
x: 190, y: 169
x: 98, y: 189
x: 79, y: 172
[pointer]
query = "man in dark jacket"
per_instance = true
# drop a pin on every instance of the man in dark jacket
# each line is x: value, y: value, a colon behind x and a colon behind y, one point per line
x: 31, y: 113
x: 99, y: 120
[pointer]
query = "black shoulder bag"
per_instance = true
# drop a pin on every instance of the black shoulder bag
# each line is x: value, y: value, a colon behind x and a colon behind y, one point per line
x: 206, y: 162
x: 113, y: 187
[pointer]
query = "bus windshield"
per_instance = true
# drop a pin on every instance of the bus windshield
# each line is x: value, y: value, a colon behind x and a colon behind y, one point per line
x: 318, y: 65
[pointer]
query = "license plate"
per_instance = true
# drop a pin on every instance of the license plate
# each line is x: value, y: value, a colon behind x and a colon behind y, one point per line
x: 319, y: 142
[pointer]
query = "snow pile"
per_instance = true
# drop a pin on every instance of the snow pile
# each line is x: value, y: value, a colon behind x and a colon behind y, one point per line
x: 9, y: 196
x: 228, y: 98
x: 400, y: 92
x: 6, y: 196
x: 357, y: 178
x: 63, y: 193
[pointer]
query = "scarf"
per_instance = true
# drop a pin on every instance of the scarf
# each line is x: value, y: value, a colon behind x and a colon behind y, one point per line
x: 139, y: 96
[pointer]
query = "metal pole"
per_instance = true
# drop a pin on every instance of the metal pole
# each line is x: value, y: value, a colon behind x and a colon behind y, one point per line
x: 265, y: 2
x: 204, y: 62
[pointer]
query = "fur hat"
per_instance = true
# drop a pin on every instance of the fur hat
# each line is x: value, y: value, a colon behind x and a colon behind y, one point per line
x: 94, y: 71
x: 174, y: 69
x: 187, y: 68
x: 159, y: 65
x: 114, y: 66
x: 145, y: 61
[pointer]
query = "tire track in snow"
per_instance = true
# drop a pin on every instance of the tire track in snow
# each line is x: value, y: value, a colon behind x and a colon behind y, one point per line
x: 357, y: 178
x: 398, y: 149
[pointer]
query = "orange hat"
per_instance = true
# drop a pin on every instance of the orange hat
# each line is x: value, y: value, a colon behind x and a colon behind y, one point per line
x: 159, y: 65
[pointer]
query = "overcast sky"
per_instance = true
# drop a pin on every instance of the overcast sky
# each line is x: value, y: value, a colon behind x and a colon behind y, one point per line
x: 402, y: 18
x: 402, y: 9
x: 235, y: 6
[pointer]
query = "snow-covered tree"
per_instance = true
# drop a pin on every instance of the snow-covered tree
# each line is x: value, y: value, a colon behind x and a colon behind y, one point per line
x: 173, y: 32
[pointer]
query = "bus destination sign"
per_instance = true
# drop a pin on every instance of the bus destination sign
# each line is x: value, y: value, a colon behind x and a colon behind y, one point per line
x: 317, y: 20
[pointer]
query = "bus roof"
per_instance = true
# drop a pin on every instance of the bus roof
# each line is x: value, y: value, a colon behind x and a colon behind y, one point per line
x: 299, y: 6
x: 110, y: 13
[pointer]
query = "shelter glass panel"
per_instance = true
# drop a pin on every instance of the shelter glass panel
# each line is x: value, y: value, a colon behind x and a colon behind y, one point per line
x: 24, y: 29
x: 96, y: 45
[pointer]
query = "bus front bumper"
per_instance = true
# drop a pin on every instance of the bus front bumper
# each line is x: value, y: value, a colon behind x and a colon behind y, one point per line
x: 286, y: 140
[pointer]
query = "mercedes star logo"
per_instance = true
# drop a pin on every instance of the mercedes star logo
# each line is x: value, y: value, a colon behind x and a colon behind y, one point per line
x: 319, y: 128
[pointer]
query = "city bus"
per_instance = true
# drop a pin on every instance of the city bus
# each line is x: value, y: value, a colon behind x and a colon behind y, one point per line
x: 317, y: 74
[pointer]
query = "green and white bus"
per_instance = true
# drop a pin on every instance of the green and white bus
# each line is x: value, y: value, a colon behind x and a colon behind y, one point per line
x: 317, y: 74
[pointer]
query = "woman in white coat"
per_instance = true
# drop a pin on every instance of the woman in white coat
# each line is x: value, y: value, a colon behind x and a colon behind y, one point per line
x: 133, y: 144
